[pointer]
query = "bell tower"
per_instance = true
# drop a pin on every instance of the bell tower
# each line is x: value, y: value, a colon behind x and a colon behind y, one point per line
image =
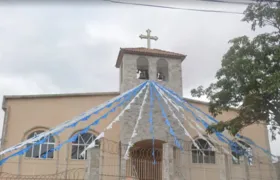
x: 139, y: 64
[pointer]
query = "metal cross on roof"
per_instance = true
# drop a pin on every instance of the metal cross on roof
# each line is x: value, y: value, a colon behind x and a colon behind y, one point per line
x: 148, y: 37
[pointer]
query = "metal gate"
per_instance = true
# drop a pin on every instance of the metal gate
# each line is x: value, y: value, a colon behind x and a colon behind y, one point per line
x: 143, y: 166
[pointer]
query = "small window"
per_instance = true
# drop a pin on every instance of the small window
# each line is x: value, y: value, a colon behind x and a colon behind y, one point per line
x: 197, y: 156
x: 81, y: 143
x: 40, y: 150
x: 142, y: 68
x: 162, y: 70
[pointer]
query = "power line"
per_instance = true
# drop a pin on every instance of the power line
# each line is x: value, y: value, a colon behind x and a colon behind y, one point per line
x: 175, y: 8
x: 242, y: 3
x: 273, y: 3
x: 227, y: 2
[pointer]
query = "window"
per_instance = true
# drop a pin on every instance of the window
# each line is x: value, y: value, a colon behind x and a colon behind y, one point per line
x: 162, y: 70
x: 239, y: 153
x: 197, y: 156
x: 40, y: 150
x: 142, y: 68
x: 80, y: 144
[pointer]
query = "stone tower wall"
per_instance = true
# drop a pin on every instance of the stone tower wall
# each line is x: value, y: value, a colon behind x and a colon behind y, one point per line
x: 129, y: 69
x: 129, y: 80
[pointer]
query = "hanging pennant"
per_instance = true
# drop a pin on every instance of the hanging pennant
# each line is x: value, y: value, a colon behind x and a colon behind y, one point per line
x: 130, y: 144
x: 43, y: 138
x: 219, y: 135
x: 169, y: 101
x: 167, y: 122
x: 70, y: 123
x: 116, y: 119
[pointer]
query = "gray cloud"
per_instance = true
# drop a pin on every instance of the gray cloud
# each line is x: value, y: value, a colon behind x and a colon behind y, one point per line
x: 73, y: 48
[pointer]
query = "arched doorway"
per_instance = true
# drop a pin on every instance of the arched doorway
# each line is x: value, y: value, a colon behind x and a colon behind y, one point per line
x: 141, y: 164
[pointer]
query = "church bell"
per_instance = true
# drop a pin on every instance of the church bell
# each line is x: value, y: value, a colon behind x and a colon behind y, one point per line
x: 142, y: 75
x: 160, y: 76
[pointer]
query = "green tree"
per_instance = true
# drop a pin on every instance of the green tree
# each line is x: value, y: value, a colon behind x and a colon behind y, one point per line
x: 249, y: 78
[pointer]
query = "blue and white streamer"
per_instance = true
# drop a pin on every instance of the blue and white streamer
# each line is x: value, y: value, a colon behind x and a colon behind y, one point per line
x: 179, y: 102
x: 151, y: 121
x: 167, y: 95
x: 190, y: 124
x: 231, y: 142
x: 210, y: 119
x: 101, y: 135
x: 167, y: 101
x: 134, y: 133
x: 218, y: 134
x: 127, y: 97
x: 167, y: 122
x: 96, y: 122
x: 71, y: 123
x: 250, y: 142
x: 23, y: 151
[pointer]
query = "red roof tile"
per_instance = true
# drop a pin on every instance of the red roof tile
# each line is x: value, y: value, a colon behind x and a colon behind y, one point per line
x: 148, y: 52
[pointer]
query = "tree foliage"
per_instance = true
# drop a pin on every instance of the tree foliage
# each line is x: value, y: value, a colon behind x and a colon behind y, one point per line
x: 250, y: 75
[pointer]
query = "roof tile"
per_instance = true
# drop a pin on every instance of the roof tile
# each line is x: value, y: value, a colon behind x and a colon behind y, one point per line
x: 148, y: 52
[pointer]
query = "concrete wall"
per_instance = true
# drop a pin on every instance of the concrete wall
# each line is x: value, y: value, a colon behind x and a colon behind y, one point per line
x: 27, y: 115
x: 93, y: 164
x: 277, y: 168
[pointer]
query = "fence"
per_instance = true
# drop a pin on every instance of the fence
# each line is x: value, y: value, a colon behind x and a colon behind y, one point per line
x: 73, y: 174
x: 141, y: 166
x: 208, y: 167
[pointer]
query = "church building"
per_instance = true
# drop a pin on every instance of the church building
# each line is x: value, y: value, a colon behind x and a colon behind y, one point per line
x: 150, y: 158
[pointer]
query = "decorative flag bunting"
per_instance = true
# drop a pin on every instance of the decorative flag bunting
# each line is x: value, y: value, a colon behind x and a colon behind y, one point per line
x: 249, y: 141
x: 225, y: 150
x: 167, y: 100
x: 43, y: 139
x: 101, y: 135
x: 219, y: 135
x: 151, y: 121
x: 69, y: 123
x: 179, y: 101
x: 176, y: 106
x: 205, y: 116
x: 175, y: 117
x: 167, y: 122
x: 96, y: 122
x: 126, y: 156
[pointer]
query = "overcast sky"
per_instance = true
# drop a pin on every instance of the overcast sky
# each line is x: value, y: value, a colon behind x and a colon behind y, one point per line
x: 59, y: 48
